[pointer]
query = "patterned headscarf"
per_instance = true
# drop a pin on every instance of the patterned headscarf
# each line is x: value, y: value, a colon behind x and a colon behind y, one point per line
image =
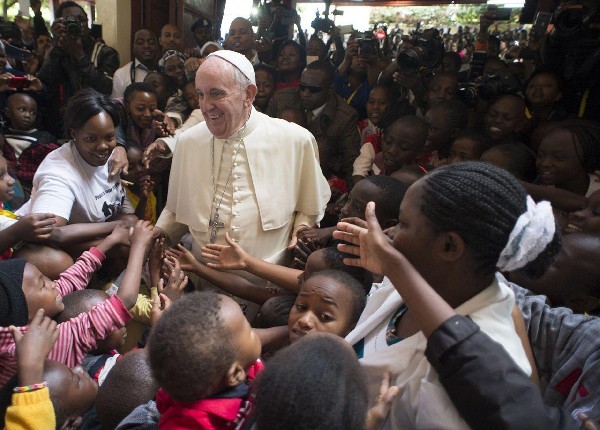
x: 166, y: 55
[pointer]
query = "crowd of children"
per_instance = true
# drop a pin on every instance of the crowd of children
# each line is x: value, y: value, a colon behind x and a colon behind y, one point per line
x: 453, y: 283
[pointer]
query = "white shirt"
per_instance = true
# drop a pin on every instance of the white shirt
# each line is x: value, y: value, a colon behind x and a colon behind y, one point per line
x: 122, y: 77
x: 66, y: 186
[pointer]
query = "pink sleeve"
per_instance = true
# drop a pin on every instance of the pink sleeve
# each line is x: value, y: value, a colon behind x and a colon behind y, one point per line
x: 78, y: 275
x: 79, y: 335
x: 8, y: 361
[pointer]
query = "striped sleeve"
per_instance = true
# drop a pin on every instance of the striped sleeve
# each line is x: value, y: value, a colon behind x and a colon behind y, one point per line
x: 78, y: 275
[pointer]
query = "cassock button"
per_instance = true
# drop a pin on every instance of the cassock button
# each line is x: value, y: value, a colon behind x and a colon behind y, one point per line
x: 236, y: 214
x: 234, y: 227
x: 236, y: 188
x: 235, y: 164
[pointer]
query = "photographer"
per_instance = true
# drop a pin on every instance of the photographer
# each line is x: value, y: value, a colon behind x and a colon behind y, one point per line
x: 76, y: 61
x: 358, y: 73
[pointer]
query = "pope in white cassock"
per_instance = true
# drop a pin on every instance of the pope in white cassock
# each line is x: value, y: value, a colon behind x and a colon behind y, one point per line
x: 241, y: 171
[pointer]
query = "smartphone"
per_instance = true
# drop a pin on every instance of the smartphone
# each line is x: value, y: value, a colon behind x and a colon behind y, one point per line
x: 478, y: 60
x: 501, y: 14
x: 19, y: 82
x: 16, y: 53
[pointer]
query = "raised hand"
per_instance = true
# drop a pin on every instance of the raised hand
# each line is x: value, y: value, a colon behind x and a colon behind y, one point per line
x: 153, y: 151
x: 228, y: 257
x: 159, y: 305
x: 370, y: 245
x: 183, y: 256
x: 383, y: 403
x: 143, y: 234
x: 146, y: 185
x: 117, y: 162
x: 155, y: 261
x: 36, y: 227
x: 318, y: 235
x: 302, y: 251
x: 175, y: 285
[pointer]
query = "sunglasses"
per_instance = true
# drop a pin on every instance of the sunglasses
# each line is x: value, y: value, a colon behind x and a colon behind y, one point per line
x: 310, y: 88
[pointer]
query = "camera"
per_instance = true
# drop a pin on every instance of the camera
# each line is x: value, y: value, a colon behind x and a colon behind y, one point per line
x: 424, y: 51
x: 367, y: 47
x: 73, y: 27
x: 576, y: 16
x: 491, y: 88
x: 324, y: 24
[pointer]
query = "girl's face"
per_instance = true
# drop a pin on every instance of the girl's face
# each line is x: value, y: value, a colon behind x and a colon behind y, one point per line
x: 502, y: 120
x: 174, y: 68
x: 141, y: 108
x: 265, y: 86
x: 586, y: 220
x: 558, y: 160
x: 378, y: 100
x: 463, y: 149
x: 40, y: 293
x: 543, y: 90
x: 439, y: 134
x: 400, y: 146
x: 323, y: 305
x: 136, y: 167
x: 95, y: 141
x: 288, y: 59
x: 7, y: 182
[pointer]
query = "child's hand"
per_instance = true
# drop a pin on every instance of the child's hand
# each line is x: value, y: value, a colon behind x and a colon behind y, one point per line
x: 229, y: 257
x: 175, y: 285
x: 155, y: 261
x: 302, y: 251
x: 318, y: 235
x: 159, y: 305
x: 120, y: 235
x: 383, y: 403
x: 36, y: 227
x: 146, y: 185
x: 143, y: 234
x: 183, y: 256
x: 33, y: 347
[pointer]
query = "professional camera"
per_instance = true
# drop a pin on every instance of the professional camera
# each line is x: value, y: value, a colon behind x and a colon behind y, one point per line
x: 424, y: 51
x: 367, y: 47
x: 491, y: 88
x: 323, y: 24
x: 73, y: 27
x: 576, y: 17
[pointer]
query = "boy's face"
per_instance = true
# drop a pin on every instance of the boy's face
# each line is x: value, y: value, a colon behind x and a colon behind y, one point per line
x: 75, y: 390
x: 401, y: 145
x: 22, y: 111
x: 362, y: 193
x: 7, y: 182
x: 442, y: 88
x: 439, y: 134
x: 244, y: 338
x: 141, y: 108
x: 136, y: 167
x: 265, y: 87
x: 191, y: 96
x: 586, y: 220
x: 463, y: 149
x: 503, y: 118
x: 40, y: 293
x: 322, y: 305
x: 378, y: 100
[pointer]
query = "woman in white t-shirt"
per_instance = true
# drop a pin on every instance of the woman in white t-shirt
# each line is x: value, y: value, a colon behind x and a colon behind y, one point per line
x: 74, y: 182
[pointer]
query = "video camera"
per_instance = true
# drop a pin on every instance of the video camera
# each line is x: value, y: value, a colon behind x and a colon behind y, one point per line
x: 491, y: 88
x: 577, y: 17
x: 324, y: 24
x: 425, y: 50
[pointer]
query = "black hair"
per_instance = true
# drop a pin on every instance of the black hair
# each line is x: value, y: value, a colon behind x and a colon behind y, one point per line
x: 170, y: 83
x: 481, y: 203
x: 414, y: 122
x: 59, y: 10
x: 316, y: 383
x: 395, y: 110
x: 392, y: 191
x: 587, y: 135
x: 269, y: 69
x: 20, y: 94
x: 325, y: 66
x: 455, y: 57
x: 141, y: 87
x: 79, y: 302
x: 520, y: 160
x: 275, y: 311
x: 334, y: 260
x: 354, y: 287
x: 482, y: 141
x: 299, y: 48
x: 128, y: 385
x: 85, y: 104
x: 190, y: 347
x: 456, y: 112
x: 544, y: 70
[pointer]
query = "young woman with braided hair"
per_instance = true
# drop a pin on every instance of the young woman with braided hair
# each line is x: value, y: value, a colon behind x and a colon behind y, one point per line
x: 459, y: 226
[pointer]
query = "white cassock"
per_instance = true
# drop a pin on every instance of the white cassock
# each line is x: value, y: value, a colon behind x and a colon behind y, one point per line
x: 275, y: 185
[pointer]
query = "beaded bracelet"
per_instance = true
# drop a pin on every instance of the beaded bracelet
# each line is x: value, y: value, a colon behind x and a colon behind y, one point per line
x: 28, y: 388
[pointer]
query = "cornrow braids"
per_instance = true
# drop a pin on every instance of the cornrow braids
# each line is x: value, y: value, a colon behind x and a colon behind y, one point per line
x: 481, y: 203
x: 587, y: 135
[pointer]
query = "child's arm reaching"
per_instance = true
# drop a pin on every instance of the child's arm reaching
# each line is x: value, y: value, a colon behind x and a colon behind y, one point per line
x: 28, y: 228
x: 77, y: 233
x: 230, y: 282
x: 78, y: 275
x: 146, y: 185
x: 232, y: 256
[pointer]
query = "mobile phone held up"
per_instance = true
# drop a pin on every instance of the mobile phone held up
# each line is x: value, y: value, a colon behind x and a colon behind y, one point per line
x: 19, y: 82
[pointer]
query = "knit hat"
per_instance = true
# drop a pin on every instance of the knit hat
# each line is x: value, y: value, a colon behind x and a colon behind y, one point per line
x: 239, y: 61
x: 13, y: 305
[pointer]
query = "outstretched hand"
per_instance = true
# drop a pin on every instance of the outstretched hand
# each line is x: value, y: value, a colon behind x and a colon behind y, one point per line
x: 159, y: 305
x: 182, y: 256
x: 370, y: 245
x: 383, y: 403
x: 118, y: 163
x: 228, y: 257
x: 36, y: 227
x: 175, y: 285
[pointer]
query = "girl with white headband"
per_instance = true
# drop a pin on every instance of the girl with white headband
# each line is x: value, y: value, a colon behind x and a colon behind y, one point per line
x: 458, y: 227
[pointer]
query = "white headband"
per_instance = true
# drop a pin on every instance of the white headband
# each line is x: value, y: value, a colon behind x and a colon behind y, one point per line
x: 531, y: 234
x: 238, y: 60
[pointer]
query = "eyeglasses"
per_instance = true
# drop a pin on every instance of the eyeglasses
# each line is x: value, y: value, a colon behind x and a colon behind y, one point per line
x: 310, y: 88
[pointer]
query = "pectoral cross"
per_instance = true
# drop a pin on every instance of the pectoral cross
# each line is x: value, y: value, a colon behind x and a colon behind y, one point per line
x: 215, y: 225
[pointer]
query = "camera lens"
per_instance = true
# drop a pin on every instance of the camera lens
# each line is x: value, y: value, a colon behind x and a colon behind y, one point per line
x: 409, y: 59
